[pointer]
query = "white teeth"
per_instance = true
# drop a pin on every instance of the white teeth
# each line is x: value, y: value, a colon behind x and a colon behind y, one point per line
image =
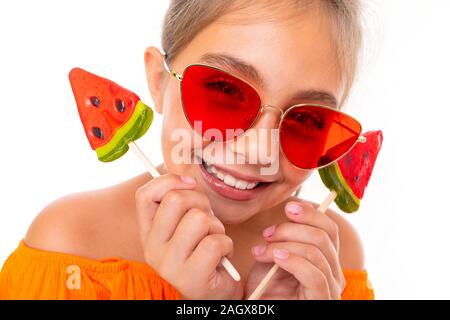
x: 240, y: 184
x: 251, y: 185
x: 230, y: 180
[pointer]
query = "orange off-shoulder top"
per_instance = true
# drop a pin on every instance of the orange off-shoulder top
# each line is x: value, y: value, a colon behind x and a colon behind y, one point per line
x: 35, y: 274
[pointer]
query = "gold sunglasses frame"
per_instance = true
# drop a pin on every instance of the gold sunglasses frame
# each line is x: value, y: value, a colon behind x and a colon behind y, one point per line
x: 179, y: 77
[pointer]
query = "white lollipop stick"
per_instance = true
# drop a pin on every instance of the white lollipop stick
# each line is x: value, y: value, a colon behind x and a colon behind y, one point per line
x: 145, y: 161
x: 152, y: 170
x: 264, y: 282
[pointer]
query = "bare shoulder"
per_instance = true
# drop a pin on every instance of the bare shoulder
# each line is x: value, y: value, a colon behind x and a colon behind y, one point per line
x: 87, y: 224
x: 351, y: 251
x: 63, y: 225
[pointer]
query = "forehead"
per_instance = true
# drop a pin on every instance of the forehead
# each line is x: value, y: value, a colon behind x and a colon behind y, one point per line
x: 290, y: 53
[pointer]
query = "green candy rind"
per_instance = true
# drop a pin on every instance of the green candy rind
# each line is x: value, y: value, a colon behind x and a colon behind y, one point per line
x: 333, y: 180
x: 133, y: 129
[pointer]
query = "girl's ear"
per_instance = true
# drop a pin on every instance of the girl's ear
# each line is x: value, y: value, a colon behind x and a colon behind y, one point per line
x: 154, y: 69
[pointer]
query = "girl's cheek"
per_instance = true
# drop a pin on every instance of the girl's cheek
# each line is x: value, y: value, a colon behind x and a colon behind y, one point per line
x: 176, y: 135
x: 293, y: 176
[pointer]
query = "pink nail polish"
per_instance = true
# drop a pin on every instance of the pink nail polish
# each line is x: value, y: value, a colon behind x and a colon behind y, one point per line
x: 294, y: 208
x: 269, y: 231
x: 258, y: 250
x: 281, y: 254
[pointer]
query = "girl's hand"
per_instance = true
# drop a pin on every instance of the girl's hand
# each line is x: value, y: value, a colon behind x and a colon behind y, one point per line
x: 183, y: 241
x: 307, y: 251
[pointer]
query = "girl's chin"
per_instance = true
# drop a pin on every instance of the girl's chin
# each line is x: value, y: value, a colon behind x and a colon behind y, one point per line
x: 230, y: 221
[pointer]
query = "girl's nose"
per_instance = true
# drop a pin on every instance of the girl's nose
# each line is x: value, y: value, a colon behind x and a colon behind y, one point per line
x: 259, y: 144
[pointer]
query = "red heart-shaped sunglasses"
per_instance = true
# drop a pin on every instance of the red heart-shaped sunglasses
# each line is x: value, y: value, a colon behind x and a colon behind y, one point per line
x: 311, y: 136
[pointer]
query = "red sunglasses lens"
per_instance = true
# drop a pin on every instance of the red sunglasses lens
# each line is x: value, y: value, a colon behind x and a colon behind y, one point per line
x: 219, y: 100
x: 313, y: 136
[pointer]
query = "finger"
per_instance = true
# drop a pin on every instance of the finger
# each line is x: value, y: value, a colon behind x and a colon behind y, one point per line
x: 206, y: 260
x: 149, y: 195
x: 206, y: 257
x: 158, y: 187
x: 171, y: 210
x: 264, y: 253
x: 294, y: 232
x: 311, y: 278
x: 193, y: 227
x: 305, y: 213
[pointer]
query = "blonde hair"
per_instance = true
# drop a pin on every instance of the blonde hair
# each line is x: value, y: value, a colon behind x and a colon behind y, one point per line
x: 184, y: 19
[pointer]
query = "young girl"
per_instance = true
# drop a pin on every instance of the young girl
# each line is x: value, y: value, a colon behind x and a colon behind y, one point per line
x: 164, y: 238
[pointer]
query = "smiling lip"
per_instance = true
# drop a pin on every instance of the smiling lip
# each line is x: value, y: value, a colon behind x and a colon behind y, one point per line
x: 238, y: 175
x: 229, y: 192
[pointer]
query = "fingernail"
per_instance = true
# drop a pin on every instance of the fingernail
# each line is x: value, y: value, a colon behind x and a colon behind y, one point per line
x: 269, y: 231
x: 212, y: 212
x: 258, y: 250
x: 281, y: 254
x: 294, y: 208
x: 188, y: 180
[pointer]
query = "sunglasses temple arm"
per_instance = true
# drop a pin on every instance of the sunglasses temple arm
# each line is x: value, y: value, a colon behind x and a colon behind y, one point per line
x: 171, y: 72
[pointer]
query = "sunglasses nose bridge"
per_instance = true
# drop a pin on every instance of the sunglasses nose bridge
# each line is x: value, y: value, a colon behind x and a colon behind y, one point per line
x: 268, y: 106
x: 267, y: 121
x: 274, y: 108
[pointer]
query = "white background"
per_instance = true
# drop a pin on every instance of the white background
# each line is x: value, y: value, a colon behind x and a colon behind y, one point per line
x: 402, y: 89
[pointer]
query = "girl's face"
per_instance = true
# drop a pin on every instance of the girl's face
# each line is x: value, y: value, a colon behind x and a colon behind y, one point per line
x: 296, y: 60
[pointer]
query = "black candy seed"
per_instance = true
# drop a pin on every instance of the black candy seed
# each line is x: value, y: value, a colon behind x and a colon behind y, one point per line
x: 348, y: 160
x: 120, y: 105
x: 98, y: 132
x: 95, y: 101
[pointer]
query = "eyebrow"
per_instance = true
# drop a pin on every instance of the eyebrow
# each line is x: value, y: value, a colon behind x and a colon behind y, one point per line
x: 250, y: 72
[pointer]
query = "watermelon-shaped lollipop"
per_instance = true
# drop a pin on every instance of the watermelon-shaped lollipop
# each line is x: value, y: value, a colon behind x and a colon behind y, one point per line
x: 112, y: 116
x: 349, y: 176
x: 347, y: 179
